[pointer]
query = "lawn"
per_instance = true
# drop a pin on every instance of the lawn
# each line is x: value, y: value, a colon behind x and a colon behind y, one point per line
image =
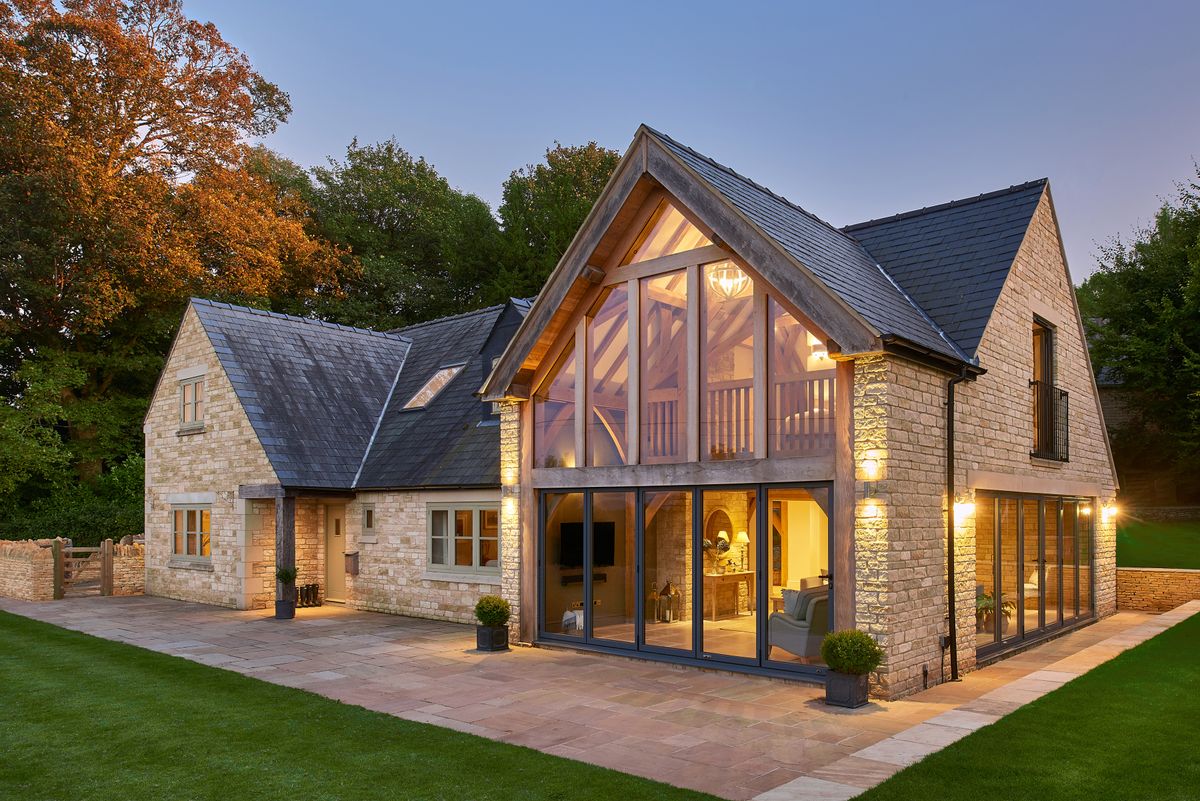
x: 1149, y: 544
x: 1127, y: 729
x: 85, y: 718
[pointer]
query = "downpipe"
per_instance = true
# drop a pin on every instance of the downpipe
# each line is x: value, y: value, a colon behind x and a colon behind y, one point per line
x: 950, y: 583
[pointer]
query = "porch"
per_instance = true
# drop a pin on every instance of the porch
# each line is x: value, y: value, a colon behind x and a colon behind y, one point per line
x: 735, y: 736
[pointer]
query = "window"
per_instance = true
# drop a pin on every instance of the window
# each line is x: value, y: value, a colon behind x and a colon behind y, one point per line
x: 1050, y: 409
x: 608, y: 388
x: 727, y: 405
x: 554, y: 414
x: 464, y: 538
x: 664, y: 365
x: 800, y: 406
x: 433, y: 386
x: 368, y: 522
x: 667, y: 232
x: 192, y: 532
x: 191, y: 403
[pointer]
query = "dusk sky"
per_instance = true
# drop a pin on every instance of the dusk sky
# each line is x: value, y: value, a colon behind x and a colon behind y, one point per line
x: 851, y: 110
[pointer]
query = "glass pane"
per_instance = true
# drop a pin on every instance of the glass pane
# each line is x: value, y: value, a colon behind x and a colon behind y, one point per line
x: 1010, y: 569
x: 1052, y: 569
x: 436, y: 383
x: 187, y: 403
x: 199, y: 394
x: 667, y: 232
x: 667, y: 558
x: 985, y: 570
x: 205, y: 516
x: 563, y: 564
x: 664, y: 367
x: 554, y: 415
x: 368, y: 519
x: 1031, y: 570
x: 726, y: 409
x: 464, y: 537
x: 729, y: 592
x: 1070, y: 552
x: 180, y: 531
x: 608, y: 379
x: 614, y: 580
x: 1086, y: 527
x: 800, y: 408
x: 438, y: 530
x: 798, y: 556
x: 489, y: 543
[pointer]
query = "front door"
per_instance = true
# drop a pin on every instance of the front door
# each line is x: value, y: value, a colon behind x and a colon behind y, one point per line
x: 335, y: 553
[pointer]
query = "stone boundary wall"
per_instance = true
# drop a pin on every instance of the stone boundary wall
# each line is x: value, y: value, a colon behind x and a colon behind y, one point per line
x: 27, y: 570
x: 129, y: 569
x: 1156, y: 589
x: 1166, y: 514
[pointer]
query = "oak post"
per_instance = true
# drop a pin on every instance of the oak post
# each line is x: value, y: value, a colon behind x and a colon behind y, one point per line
x: 285, y: 544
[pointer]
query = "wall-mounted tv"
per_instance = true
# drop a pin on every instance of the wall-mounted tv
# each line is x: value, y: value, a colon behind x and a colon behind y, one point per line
x: 604, y: 544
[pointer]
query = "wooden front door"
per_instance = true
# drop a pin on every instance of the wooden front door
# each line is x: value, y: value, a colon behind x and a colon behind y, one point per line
x: 335, y: 552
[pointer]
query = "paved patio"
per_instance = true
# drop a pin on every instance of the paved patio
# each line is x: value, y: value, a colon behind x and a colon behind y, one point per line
x: 734, y: 736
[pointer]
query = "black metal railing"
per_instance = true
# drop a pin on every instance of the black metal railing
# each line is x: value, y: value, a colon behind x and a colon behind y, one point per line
x: 1051, y: 422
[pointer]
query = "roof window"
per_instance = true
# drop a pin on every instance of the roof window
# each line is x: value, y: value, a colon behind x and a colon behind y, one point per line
x: 436, y: 383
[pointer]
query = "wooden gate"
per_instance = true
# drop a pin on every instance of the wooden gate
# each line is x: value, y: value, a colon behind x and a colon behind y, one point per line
x: 84, y: 571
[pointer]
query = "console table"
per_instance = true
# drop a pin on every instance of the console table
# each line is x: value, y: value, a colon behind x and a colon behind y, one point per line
x: 714, y: 582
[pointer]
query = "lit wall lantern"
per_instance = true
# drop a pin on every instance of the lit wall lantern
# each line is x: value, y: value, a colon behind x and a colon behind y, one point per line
x: 870, y: 509
x: 963, y: 511
x: 1110, y: 511
x: 870, y: 471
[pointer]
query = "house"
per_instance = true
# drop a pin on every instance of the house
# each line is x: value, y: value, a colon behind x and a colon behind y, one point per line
x: 723, y: 428
x: 269, y: 433
x: 728, y: 427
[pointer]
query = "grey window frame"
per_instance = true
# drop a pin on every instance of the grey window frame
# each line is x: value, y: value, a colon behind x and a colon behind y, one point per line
x: 477, y: 510
x: 200, y: 508
x: 197, y: 422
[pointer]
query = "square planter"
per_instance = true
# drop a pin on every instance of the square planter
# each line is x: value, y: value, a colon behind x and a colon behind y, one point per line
x: 845, y: 689
x: 285, y: 610
x: 491, y: 638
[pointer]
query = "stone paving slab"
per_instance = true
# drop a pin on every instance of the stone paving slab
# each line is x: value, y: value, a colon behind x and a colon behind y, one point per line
x: 735, y: 736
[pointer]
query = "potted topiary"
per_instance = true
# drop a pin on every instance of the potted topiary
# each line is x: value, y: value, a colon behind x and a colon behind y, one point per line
x: 491, y: 634
x: 850, y: 655
x: 285, y: 608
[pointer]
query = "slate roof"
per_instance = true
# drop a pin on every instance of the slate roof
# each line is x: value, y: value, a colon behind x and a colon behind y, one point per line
x: 455, y: 440
x: 953, y: 259
x: 836, y: 259
x: 312, y: 390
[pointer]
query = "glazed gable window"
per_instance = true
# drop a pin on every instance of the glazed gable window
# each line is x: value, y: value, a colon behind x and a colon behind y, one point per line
x: 191, y: 402
x: 192, y: 532
x: 464, y: 538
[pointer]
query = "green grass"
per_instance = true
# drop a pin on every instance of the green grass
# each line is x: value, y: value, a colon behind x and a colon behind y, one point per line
x: 1148, y: 544
x: 1127, y: 729
x: 84, y: 718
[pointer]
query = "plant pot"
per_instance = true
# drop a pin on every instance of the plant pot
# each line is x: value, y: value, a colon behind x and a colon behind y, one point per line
x: 491, y: 638
x: 285, y: 610
x: 845, y: 689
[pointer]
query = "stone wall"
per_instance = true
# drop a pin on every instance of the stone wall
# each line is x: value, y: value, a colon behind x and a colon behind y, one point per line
x: 206, y: 467
x: 129, y: 569
x: 994, y: 428
x: 510, y: 514
x: 1155, y: 589
x: 393, y: 574
x: 26, y: 570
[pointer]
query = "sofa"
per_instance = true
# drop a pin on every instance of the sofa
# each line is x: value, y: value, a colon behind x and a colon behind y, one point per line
x: 802, y: 625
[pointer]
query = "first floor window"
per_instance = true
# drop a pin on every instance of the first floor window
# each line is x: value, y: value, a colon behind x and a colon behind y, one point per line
x: 192, y: 532
x: 464, y: 538
x: 191, y: 402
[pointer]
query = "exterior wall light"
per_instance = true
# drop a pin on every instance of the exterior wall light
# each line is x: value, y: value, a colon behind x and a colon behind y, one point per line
x: 963, y: 510
x: 1110, y: 511
x: 870, y: 473
x: 870, y: 509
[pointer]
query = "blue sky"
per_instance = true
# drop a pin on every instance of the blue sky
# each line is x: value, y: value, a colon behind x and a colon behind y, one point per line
x: 852, y: 110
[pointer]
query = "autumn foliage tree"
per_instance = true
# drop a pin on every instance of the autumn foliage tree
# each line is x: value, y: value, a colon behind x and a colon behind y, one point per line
x: 125, y: 186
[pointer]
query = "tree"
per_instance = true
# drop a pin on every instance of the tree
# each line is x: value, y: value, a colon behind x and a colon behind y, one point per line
x: 542, y: 207
x: 1142, y: 312
x: 125, y: 187
x: 426, y: 249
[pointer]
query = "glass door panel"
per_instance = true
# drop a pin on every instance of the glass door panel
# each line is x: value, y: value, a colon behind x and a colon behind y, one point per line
x: 1087, y: 514
x: 1070, y: 552
x: 1011, y: 574
x: 563, y: 565
x: 986, y: 623
x: 1052, y: 564
x: 728, y: 592
x: 668, y: 568
x: 798, y: 602
x: 1031, y: 573
x: 614, y: 576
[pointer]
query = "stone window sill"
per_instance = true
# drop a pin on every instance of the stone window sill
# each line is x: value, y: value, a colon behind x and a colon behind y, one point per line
x: 190, y: 430
x: 462, y: 578
x: 1054, y: 463
x: 190, y: 564
x: 368, y: 539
